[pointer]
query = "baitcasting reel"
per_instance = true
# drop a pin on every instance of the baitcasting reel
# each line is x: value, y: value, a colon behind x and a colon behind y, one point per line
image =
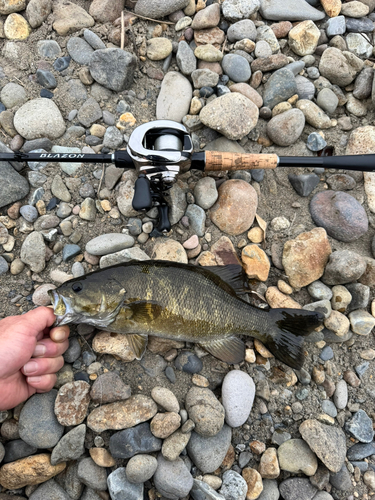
x: 160, y: 151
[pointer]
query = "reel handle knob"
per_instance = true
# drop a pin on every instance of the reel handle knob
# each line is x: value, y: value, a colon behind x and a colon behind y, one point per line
x: 142, y: 199
x: 164, y: 224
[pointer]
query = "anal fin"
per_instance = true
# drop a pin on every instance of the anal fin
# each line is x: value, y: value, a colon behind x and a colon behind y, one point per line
x: 230, y: 349
x: 138, y: 343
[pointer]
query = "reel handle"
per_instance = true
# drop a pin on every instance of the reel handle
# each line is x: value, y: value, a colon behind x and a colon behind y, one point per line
x: 164, y: 223
x: 142, y: 199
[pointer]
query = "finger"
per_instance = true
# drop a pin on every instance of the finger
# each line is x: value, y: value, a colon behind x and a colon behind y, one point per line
x: 60, y: 333
x: 47, y: 348
x: 42, y: 383
x: 42, y: 366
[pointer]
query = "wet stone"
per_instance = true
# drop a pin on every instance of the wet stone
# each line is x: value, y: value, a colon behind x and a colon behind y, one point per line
x: 130, y: 442
x: 360, y: 427
x: 188, y: 362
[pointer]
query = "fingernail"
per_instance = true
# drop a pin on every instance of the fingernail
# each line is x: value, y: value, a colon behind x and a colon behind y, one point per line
x: 59, y: 335
x: 34, y: 380
x: 39, y: 350
x: 30, y: 367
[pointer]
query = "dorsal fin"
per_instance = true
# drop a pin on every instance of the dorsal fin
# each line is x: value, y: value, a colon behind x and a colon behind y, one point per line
x: 232, y: 274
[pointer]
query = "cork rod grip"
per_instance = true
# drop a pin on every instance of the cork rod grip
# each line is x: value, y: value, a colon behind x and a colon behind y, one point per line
x: 216, y: 160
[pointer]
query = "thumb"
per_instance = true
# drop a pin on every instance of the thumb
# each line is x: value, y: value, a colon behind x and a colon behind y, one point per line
x: 40, y: 318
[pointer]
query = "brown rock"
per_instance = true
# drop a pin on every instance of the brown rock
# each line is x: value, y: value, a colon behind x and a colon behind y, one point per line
x: 257, y: 447
x: 254, y: 483
x: 10, y: 6
x: 303, y: 38
x: 212, y: 66
x: 225, y: 252
x: 332, y: 7
x: 16, y: 27
x: 164, y: 424
x: 235, y: 209
x: 14, y: 210
x: 169, y: 250
x: 318, y: 374
x: 351, y: 378
x: 329, y: 387
x: 207, y: 18
x: 276, y: 61
x: 214, y: 36
x: 281, y: 29
x: 249, y: 92
x: 174, y: 444
x: 277, y: 299
x: 305, y: 257
x: 229, y: 459
x: 113, y: 343
x: 108, y: 388
x: 69, y: 17
x: 269, y: 465
x: 263, y: 351
x: 368, y: 277
x: 104, y: 11
x: 256, y: 262
x: 28, y: 471
x: 102, y: 457
x: 72, y: 402
x: 123, y: 414
x: 207, y: 259
x: 326, y: 441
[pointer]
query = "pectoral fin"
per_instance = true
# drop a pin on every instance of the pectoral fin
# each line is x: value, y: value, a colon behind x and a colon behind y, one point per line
x: 231, y: 349
x: 138, y: 344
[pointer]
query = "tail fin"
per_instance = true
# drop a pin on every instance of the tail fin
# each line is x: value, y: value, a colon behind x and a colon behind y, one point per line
x: 289, y: 327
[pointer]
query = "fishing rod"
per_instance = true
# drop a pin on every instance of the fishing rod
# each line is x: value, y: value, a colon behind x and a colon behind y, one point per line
x: 161, y: 149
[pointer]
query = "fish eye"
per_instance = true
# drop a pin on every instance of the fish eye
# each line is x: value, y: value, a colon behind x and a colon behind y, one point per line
x: 77, y: 287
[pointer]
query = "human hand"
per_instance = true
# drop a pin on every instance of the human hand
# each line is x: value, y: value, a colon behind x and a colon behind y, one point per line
x: 30, y: 355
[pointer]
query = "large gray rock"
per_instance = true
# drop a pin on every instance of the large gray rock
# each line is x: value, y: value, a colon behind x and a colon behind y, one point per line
x: 289, y: 10
x: 38, y: 425
x: 280, y: 87
x: 33, y: 253
x: 338, y: 67
x: 120, y: 487
x: 172, y: 479
x: 286, y: 128
x: 113, y: 68
x: 208, y: 453
x: 174, y: 99
x: 13, y: 186
x: 39, y: 118
x: 51, y: 490
x: 159, y: 9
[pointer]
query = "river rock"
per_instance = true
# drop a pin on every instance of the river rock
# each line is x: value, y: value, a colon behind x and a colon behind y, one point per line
x: 303, y: 38
x: 69, y: 17
x: 290, y: 10
x: 130, y: 442
x: 238, y: 392
x: 109, y: 243
x: 13, y: 186
x: 313, y: 114
x: 305, y: 257
x: 39, y: 118
x: 72, y: 402
x: 123, y: 414
x: 208, y: 453
x: 336, y: 67
x: 340, y: 214
x: 107, y: 10
x: 327, y: 442
x: 280, y: 87
x: 113, y: 68
x: 172, y: 479
x: 233, y: 115
x: 174, y: 99
x: 160, y: 9
x: 235, y: 209
x: 295, y: 456
x: 71, y: 446
x: 29, y: 471
x: 205, y: 411
x: 286, y: 128
x: 33, y: 252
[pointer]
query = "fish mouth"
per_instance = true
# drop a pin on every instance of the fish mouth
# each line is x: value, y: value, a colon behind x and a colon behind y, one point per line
x: 65, y: 312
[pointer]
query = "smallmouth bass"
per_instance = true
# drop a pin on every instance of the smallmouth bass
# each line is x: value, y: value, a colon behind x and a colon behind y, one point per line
x: 182, y: 302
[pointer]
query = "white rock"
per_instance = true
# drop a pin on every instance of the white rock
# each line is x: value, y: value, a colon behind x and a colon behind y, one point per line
x: 126, y: 255
x: 174, y: 99
x: 238, y: 392
x: 109, y: 243
x: 369, y: 178
x: 340, y: 397
x: 39, y: 118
